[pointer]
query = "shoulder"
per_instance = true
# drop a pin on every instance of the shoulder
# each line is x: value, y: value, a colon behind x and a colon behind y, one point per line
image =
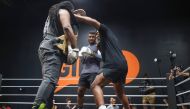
x: 103, y: 27
x: 63, y: 12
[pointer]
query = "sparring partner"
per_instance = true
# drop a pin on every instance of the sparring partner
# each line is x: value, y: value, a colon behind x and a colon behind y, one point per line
x: 90, y: 58
x: 53, y: 51
x: 114, y: 67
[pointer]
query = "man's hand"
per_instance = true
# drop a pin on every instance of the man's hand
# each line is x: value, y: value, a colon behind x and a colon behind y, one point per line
x: 171, y: 76
x: 72, y: 55
x: 79, y: 12
x: 87, y: 52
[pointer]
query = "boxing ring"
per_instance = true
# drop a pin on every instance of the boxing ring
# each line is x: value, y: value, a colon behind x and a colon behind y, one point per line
x: 183, y: 93
x: 90, y: 95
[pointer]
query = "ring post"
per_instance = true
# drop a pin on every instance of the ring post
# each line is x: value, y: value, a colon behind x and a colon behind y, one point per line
x: 171, y: 94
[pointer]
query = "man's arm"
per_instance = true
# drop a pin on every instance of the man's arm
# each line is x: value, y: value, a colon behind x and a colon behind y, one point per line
x: 185, y: 72
x: 88, y: 20
x: 65, y: 21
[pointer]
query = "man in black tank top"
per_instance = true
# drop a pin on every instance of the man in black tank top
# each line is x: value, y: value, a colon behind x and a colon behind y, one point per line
x: 114, y: 68
x: 60, y: 21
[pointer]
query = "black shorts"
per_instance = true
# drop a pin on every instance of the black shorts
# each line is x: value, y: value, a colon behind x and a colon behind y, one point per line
x: 115, y: 74
x: 86, y: 80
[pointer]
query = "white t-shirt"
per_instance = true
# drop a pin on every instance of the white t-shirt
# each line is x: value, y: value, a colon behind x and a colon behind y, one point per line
x: 112, y: 107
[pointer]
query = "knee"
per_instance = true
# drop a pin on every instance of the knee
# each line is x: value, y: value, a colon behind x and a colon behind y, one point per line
x: 94, y: 87
x: 51, y: 79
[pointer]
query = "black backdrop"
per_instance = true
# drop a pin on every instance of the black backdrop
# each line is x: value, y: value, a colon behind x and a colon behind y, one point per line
x: 148, y: 29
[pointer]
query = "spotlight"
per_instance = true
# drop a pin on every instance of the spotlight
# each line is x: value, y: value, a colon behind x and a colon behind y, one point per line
x: 20, y: 89
x: 157, y: 60
x: 174, y: 55
x: 171, y: 52
x: 172, y: 58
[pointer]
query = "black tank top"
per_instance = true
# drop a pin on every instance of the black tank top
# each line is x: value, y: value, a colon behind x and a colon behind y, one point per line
x: 53, y: 25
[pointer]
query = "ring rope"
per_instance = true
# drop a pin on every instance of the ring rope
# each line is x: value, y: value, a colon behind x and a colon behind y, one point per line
x: 61, y: 95
x: 77, y: 86
x: 182, y: 82
x: 185, y: 79
x: 121, y: 104
x: 182, y: 93
x: 182, y: 104
x: 85, y: 104
x: 38, y: 79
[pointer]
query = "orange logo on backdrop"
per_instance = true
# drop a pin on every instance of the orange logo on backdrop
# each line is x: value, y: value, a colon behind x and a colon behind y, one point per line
x: 71, y: 72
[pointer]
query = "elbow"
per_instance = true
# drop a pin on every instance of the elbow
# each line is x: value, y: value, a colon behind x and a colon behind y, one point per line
x: 96, y: 24
x: 66, y: 27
